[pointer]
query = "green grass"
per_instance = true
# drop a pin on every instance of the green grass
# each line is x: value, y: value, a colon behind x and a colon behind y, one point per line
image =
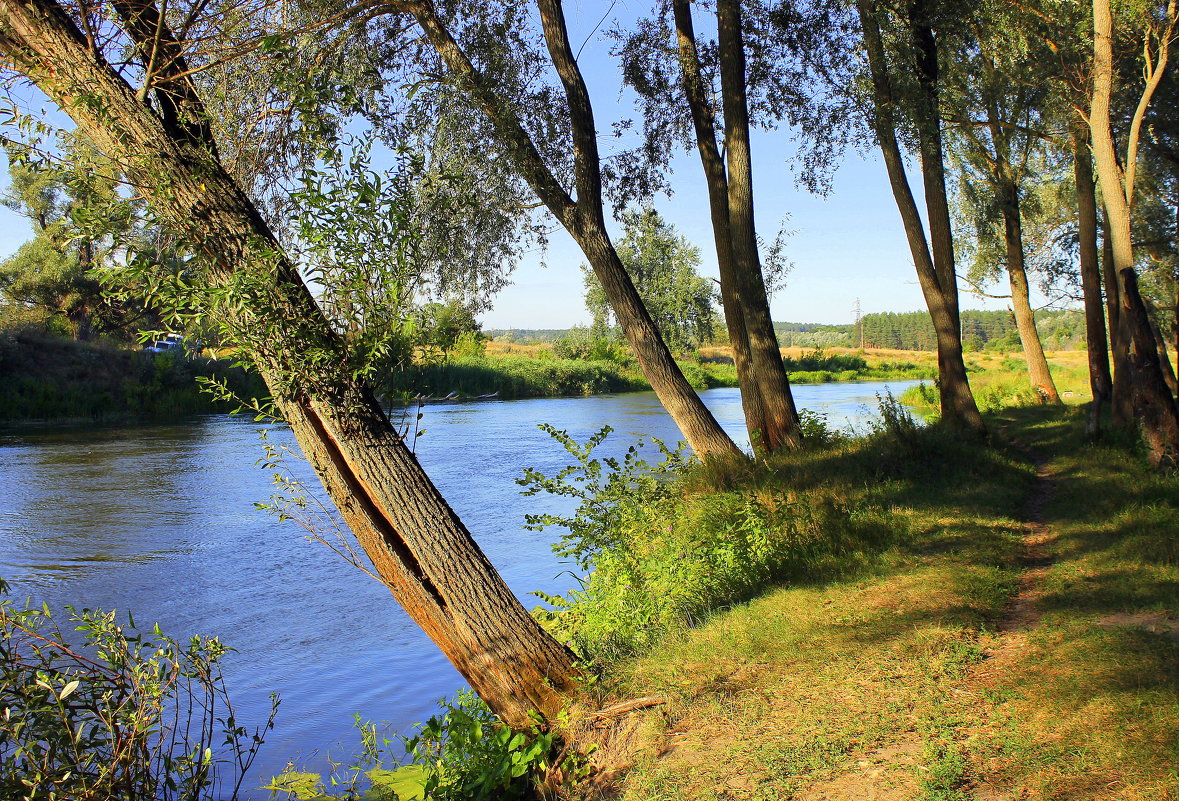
x: 1091, y: 710
x: 883, y: 668
x: 50, y: 378
x: 522, y: 376
x: 540, y: 374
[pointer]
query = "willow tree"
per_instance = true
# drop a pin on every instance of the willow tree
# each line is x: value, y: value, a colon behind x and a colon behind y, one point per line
x: 1153, y: 401
x: 148, y: 117
x: 997, y: 135
x: 580, y: 209
x: 908, y: 81
x: 704, y: 94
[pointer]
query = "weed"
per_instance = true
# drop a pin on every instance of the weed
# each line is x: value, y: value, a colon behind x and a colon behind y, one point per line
x: 126, y: 714
x: 464, y: 754
x: 946, y: 772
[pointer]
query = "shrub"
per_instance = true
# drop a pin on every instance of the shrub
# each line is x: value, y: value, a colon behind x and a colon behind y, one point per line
x: 658, y: 555
x: 464, y: 754
x: 125, y: 714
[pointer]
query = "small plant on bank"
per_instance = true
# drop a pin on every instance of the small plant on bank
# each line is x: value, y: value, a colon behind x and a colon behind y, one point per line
x: 124, y: 714
x: 464, y: 754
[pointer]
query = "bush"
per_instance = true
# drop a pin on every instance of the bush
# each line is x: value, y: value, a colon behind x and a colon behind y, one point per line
x: 464, y: 754
x: 518, y: 377
x: 817, y: 360
x: 126, y: 714
x: 659, y: 556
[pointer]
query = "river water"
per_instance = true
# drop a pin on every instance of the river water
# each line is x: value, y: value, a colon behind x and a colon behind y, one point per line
x: 161, y: 521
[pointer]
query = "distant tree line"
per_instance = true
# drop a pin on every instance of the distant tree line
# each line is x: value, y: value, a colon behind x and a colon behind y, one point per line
x: 1062, y: 329
x: 992, y: 330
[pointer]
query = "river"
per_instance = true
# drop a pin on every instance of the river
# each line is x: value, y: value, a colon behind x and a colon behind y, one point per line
x: 161, y: 521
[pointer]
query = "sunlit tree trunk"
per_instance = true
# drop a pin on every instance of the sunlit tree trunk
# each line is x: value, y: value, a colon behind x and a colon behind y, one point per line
x: 703, y: 121
x: 1025, y: 322
x: 937, y: 279
x: 1121, y: 388
x: 781, y: 417
x: 1154, y: 405
x: 417, y: 545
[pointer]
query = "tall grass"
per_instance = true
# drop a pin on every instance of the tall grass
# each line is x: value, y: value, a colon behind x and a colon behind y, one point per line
x: 519, y: 376
x: 48, y: 378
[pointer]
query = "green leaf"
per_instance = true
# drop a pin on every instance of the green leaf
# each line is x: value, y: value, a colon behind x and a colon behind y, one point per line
x: 408, y: 782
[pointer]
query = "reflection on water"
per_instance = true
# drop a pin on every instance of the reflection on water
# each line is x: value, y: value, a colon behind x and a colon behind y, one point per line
x: 161, y: 521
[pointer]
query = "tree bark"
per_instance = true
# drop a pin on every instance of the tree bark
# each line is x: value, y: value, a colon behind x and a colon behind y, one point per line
x: 1160, y: 342
x: 957, y: 403
x: 583, y: 217
x: 1154, y: 404
x: 703, y: 120
x: 1121, y: 388
x: 1100, y: 380
x: 1025, y: 321
x: 781, y: 418
x: 418, y: 546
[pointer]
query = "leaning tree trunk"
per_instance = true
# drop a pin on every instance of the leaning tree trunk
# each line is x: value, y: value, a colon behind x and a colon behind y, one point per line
x: 583, y: 218
x: 1100, y: 380
x: 1025, y: 321
x: 418, y: 546
x: 781, y: 418
x: 939, y: 288
x: 718, y: 205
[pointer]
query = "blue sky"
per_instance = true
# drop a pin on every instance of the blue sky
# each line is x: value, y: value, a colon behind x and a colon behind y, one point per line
x: 849, y: 245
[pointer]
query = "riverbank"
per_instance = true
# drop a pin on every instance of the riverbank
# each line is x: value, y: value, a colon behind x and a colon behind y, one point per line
x: 992, y: 623
x: 999, y: 381
x: 48, y: 378
x: 51, y: 378
x: 533, y: 371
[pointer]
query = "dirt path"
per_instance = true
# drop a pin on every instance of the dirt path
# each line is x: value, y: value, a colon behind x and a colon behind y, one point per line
x: 1035, y: 560
x: 891, y: 773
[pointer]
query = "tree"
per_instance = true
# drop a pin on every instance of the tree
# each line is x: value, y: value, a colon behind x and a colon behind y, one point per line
x: 159, y: 135
x: 78, y: 222
x: 444, y: 325
x: 763, y: 61
x: 581, y: 212
x: 1153, y: 401
x: 1062, y: 31
x: 663, y: 266
x: 933, y: 258
x: 997, y: 135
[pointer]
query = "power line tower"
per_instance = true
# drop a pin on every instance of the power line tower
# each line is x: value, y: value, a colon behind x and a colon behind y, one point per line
x: 859, y: 324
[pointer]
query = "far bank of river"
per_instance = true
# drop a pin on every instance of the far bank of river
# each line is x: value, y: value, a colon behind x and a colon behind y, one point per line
x: 160, y: 520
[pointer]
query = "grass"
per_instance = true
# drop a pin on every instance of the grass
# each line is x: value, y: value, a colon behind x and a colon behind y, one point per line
x: 886, y: 674
x: 1000, y: 381
x: 1091, y: 707
x: 51, y: 378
